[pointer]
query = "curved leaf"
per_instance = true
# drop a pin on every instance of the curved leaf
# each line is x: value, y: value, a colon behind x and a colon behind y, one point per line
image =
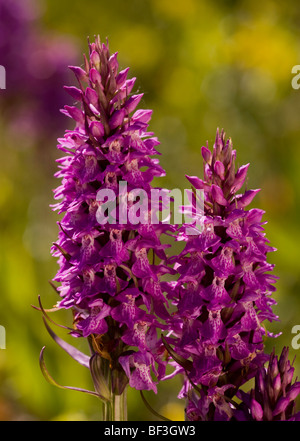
x: 151, y: 409
x: 51, y: 380
x: 44, y: 312
x: 186, y: 364
x: 79, y: 356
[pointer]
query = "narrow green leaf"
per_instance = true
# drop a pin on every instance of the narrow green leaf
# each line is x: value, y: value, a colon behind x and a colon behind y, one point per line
x: 151, y: 409
x: 43, y: 310
x: 51, y: 380
x: 77, y: 355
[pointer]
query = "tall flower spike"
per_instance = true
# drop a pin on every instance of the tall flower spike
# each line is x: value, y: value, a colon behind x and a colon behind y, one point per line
x: 223, y: 293
x: 105, y: 274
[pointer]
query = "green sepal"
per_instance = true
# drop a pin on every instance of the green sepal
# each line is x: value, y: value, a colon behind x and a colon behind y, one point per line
x: 100, y: 383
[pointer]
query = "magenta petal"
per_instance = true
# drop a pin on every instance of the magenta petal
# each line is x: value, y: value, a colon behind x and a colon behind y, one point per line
x: 246, y: 198
x: 91, y: 96
x: 74, y: 113
x: 95, y: 58
x: 206, y: 154
x: 116, y: 119
x: 79, y: 356
x: 240, y: 177
x: 219, y: 169
x: 141, y: 377
x: 121, y: 77
x: 256, y: 410
x: 132, y: 102
x: 143, y: 116
x: 217, y: 195
x: 294, y: 391
x: 95, y: 76
x: 97, y: 129
x: 113, y: 62
x: 198, y: 183
x: 125, y: 363
x: 281, y: 405
x: 74, y: 92
x: 79, y: 72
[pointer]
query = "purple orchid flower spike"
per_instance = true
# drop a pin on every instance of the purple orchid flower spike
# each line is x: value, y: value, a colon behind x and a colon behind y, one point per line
x: 105, y: 275
x: 112, y: 260
x: 224, y: 290
x: 274, y: 395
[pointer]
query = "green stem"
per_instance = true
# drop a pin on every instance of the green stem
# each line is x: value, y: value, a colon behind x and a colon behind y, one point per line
x: 120, y: 407
x: 116, y: 408
x: 106, y: 411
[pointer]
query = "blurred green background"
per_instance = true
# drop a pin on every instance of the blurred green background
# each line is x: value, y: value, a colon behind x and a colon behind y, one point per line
x: 201, y: 65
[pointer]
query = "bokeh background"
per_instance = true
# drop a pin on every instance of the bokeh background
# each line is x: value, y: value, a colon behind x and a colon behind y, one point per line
x: 201, y: 65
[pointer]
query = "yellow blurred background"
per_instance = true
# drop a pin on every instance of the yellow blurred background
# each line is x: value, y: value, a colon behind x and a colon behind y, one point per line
x: 201, y: 65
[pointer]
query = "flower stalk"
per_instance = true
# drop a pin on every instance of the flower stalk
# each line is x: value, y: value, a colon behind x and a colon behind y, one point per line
x: 115, y: 409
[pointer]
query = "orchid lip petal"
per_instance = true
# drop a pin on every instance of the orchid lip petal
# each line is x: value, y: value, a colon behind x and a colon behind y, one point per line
x: 217, y: 195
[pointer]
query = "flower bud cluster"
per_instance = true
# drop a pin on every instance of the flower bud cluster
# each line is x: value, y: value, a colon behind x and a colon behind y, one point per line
x: 274, y: 395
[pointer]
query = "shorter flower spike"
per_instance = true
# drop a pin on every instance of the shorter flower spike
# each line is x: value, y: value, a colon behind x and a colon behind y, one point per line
x: 224, y: 289
x: 274, y: 395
